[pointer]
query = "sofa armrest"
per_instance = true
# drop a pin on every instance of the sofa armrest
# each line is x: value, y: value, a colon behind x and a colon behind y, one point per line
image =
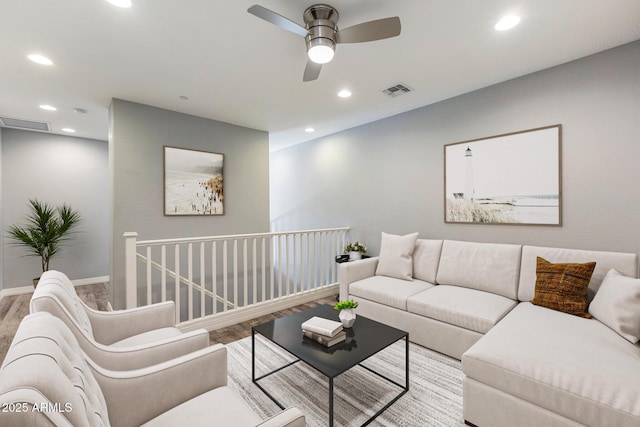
x: 353, y: 271
x: 140, y: 356
x: 291, y: 417
x: 112, y: 326
x: 135, y: 397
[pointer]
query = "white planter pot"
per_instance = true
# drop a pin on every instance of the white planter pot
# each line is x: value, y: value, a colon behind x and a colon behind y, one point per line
x: 354, y: 255
x: 347, y: 317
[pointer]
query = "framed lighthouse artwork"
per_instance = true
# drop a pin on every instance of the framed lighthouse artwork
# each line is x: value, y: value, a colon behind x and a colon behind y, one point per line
x: 514, y: 178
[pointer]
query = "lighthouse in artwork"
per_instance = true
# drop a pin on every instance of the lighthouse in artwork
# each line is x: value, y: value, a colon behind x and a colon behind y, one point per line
x: 469, y: 190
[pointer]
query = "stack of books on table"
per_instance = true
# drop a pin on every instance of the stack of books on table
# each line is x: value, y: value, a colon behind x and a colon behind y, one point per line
x: 324, y: 331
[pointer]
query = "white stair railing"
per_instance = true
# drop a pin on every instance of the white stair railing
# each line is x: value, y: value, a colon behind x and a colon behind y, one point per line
x: 215, y: 277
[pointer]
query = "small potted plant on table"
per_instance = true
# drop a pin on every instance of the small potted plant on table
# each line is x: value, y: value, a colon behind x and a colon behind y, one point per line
x: 355, y: 250
x: 347, y: 314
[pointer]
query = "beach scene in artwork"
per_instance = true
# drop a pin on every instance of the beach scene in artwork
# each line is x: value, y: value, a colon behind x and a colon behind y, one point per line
x: 193, y: 182
x: 510, y: 179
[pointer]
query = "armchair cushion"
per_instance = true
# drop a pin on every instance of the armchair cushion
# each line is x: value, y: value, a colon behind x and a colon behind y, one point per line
x: 148, y: 337
x: 229, y: 409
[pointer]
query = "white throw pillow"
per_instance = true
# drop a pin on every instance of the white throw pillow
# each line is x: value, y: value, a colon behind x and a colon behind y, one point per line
x: 617, y: 305
x: 395, y: 256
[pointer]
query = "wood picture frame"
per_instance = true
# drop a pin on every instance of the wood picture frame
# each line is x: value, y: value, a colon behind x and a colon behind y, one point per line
x: 193, y: 182
x: 513, y: 178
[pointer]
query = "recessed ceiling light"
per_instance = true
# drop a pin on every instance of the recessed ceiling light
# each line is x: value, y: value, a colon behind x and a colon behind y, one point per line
x: 39, y: 59
x: 48, y: 107
x: 68, y: 130
x: 309, y: 130
x: 507, y: 23
x: 120, y: 3
x: 344, y: 93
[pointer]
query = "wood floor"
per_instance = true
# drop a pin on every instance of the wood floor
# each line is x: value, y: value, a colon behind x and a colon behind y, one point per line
x: 14, y: 308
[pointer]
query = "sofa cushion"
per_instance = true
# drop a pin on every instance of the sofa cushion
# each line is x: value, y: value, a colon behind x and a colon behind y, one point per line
x: 617, y: 305
x: 426, y: 257
x: 395, y: 256
x: 625, y: 263
x: 490, y: 267
x: 387, y: 290
x: 229, y: 409
x: 576, y: 367
x: 563, y: 286
x: 468, y: 308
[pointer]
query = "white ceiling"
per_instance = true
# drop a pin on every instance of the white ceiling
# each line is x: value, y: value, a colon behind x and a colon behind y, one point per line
x: 236, y: 68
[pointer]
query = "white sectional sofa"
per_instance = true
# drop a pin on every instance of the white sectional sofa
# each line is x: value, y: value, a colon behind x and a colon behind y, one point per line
x: 525, y: 365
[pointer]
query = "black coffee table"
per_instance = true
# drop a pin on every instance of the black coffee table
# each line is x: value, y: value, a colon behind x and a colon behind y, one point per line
x: 366, y: 338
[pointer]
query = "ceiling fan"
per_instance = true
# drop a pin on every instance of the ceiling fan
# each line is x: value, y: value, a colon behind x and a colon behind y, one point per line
x: 321, y: 32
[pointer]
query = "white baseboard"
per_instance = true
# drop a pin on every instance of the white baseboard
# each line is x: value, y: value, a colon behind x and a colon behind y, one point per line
x: 28, y: 289
x: 243, y: 314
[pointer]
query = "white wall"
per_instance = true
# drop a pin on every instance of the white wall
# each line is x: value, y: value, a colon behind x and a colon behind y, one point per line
x: 138, y: 134
x: 56, y: 169
x: 388, y: 175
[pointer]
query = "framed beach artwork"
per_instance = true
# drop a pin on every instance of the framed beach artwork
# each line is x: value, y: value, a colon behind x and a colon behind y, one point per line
x: 193, y: 182
x: 513, y: 178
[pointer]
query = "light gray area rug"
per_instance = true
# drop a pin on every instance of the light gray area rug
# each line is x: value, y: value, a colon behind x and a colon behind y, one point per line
x: 434, y: 397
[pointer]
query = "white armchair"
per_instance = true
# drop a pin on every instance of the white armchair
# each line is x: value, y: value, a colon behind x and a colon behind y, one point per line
x: 127, y: 339
x: 46, y: 369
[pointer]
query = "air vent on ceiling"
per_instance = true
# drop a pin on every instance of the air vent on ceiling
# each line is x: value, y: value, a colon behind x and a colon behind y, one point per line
x: 8, y: 122
x: 396, y: 90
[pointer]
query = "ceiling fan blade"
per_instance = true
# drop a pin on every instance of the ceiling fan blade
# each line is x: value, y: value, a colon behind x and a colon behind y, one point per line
x: 276, y: 19
x: 311, y: 71
x: 370, y: 31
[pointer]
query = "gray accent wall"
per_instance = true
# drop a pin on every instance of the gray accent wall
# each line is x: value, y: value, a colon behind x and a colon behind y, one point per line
x: 137, y: 136
x: 55, y: 169
x: 388, y: 175
x: 1, y: 221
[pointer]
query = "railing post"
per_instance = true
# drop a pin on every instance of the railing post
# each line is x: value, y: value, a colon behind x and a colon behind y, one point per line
x: 131, y: 275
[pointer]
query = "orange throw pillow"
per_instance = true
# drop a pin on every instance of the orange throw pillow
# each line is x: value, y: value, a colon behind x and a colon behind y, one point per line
x: 563, y: 287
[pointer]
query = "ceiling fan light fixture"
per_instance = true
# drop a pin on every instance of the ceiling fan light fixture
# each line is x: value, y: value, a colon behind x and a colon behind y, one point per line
x: 321, y: 50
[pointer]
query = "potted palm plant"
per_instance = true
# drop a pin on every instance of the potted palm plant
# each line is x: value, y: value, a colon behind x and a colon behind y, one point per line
x: 46, y: 230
